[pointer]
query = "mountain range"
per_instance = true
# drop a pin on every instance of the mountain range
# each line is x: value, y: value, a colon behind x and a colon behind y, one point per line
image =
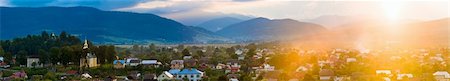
x: 99, y: 26
x: 116, y: 27
x: 219, y: 23
x: 267, y: 29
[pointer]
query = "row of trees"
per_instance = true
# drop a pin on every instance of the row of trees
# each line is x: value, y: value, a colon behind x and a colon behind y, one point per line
x: 50, y: 48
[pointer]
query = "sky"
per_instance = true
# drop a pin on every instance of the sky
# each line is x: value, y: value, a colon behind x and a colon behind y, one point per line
x: 274, y: 9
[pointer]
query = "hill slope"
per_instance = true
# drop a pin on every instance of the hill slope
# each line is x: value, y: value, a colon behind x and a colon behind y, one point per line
x: 97, y: 25
x: 266, y: 29
x: 219, y: 23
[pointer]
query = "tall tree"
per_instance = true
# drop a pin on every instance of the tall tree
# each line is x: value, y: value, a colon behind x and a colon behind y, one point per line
x: 43, y: 56
x: 8, y: 57
x: 2, y: 52
x: 55, y: 54
x: 152, y: 47
x: 45, y: 35
x: 63, y: 35
x: 22, y: 57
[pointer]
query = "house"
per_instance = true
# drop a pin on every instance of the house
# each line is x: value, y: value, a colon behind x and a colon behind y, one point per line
x: 191, y: 74
x: 165, y: 76
x: 233, y: 79
x: 1, y: 59
x: 133, y: 62
x: 351, y: 59
x: 86, y: 76
x: 267, y: 67
x: 150, y: 63
x: 220, y: 66
x: 187, y: 57
x: 235, y: 67
x: 33, y: 61
x: 134, y: 75
x: 326, y: 75
x: 387, y: 72
x: 119, y: 63
x: 441, y: 76
x: 149, y: 77
x: 240, y: 54
x: 190, y: 63
x: 3, y: 63
x: 404, y: 76
x: 177, y: 64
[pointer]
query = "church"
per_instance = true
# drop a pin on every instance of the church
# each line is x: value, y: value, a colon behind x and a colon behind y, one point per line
x: 90, y: 60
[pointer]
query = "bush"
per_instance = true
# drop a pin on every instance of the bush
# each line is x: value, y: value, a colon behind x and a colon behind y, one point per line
x: 7, y: 73
x: 50, y: 76
x: 36, y: 71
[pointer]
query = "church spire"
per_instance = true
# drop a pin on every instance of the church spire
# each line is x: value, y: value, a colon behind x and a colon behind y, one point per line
x: 86, y: 46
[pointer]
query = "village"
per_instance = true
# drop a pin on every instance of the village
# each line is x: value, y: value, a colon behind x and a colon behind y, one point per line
x: 252, y: 62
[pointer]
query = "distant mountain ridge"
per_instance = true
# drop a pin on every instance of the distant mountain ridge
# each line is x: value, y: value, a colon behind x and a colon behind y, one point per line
x: 266, y: 29
x: 219, y: 23
x: 100, y: 26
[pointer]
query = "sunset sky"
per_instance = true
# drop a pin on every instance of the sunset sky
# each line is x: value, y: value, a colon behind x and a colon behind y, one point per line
x: 276, y: 9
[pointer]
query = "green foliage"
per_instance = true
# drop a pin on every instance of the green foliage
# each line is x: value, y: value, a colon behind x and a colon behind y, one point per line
x: 36, y: 71
x: 22, y: 57
x: 39, y: 45
x: 43, y: 56
x: 186, y: 52
x: 50, y: 76
x: 7, y: 73
x: 8, y: 57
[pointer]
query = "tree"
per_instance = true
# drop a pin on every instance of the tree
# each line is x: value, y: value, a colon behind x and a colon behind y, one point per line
x: 186, y: 52
x: 22, y: 57
x: 110, y: 54
x: 43, y: 56
x: 63, y: 35
x: 251, y: 52
x: 199, y: 54
x: 152, y: 47
x: 8, y: 57
x: 2, y: 52
x: 55, y: 54
x: 45, y: 35
x: 66, y: 55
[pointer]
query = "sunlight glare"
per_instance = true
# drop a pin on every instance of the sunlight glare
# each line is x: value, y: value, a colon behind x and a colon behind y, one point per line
x: 392, y: 9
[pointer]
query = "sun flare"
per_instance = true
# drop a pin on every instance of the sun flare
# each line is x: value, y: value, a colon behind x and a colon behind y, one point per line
x: 392, y: 9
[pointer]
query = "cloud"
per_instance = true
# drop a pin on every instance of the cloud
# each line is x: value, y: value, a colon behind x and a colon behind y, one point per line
x: 190, y: 9
x: 101, y: 4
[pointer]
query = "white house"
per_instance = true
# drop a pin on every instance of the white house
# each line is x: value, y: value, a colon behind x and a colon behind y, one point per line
x: 152, y: 63
x: 31, y: 60
x: 402, y: 76
x: 268, y: 67
x: 351, y: 59
x: 387, y: 72
x: 441, y: 76
x: 133, y: 61
x: 165, y: 76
